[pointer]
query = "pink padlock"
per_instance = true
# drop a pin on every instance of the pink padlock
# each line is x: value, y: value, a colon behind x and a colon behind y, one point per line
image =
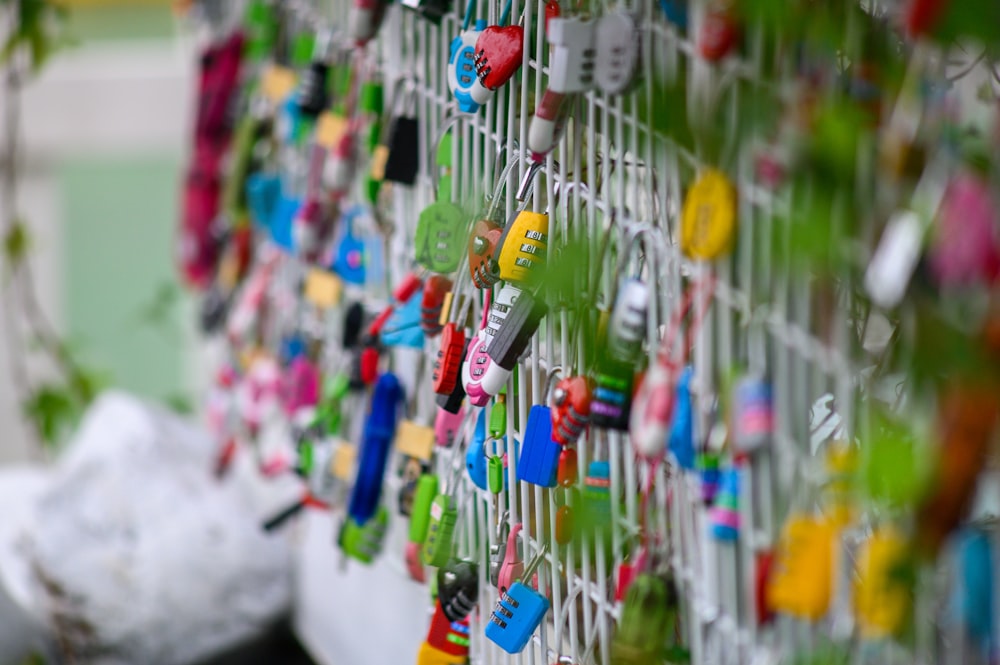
x: 414, y: 564
x: 301, y: 385
x: 512, y: 567
x: 446, y: 426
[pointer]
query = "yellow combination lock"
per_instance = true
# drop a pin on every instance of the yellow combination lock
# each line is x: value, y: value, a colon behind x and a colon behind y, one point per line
x: 881, y: 598
x: 708, y: 220
x: 801, y: 582
x: 522, y: 247
x: 428, y: 655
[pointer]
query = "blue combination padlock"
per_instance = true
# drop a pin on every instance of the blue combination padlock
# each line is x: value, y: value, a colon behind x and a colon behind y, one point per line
x: 462, y: 79
x: 518, y: 612
x: 380, y: 428
x: 539, y: 459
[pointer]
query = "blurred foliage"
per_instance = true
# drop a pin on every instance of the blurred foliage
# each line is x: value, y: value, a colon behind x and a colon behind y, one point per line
x: 40, y: 31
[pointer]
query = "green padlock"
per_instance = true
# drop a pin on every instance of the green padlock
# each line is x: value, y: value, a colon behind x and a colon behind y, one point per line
x: 494, y: 474
x: 364, y: 542
x: 423, y: 498
x: 498, y: 416
x: 444, y: 516
x: 648, y: 621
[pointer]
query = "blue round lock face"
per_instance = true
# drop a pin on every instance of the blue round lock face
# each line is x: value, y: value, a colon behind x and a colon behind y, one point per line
x: 462, y: 68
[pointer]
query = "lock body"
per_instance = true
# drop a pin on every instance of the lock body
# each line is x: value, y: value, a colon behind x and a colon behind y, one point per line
x: 437, y: 237
x: 498, y: 57
x: 571, y: 414
x: 572, y: 66
x: 515, y: 618
x: 462, y: 79
x: 649, y: 613
x: 483, y: 242
x: 618, y: 42
x: 441, y: 531
x: 451, y: 637
x: 539, y: 457
x: 521, y: 252
x: 380, y: 428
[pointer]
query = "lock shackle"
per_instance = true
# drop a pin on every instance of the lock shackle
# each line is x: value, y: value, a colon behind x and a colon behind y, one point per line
x: 500, y: 187
x: 501, y: 148
x: 450, y: 118
x: 556, y: 370
x: 536, y: 561
x: 528, y: 180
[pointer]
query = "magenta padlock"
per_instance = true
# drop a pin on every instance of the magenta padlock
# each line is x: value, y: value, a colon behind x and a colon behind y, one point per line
x: 446, y: 426
x: 481, y: 376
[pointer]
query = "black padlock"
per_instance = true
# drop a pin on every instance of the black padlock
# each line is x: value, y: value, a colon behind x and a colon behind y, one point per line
x: 432, y: 10
x: 512, y: 338
x: 354, y: 321
x: 458, y: 588
x: 403, y: 160
x: 312, y: 95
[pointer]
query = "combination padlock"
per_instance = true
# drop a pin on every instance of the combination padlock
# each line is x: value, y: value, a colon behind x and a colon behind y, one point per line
x: 481, y: 377
x: 448, y: 364
x: 518, y: 612
x: 648, y: 619
x: 475, y: 455
x: 432, y: 302
x: 510, y: 342
x: 462, y: 79
x: 615, y: 370
x: 521, y: 252
x: 312, y: 95
x: 441, y: 531
x: 458, y: 588
x: 436, y: 238
x: 403, y: 159
x: 446, y: 426
x: 572, y: 64
x: 420, y: 512
x: 539, y: 457
x: 571, y: 414
x: 725, y: 515
x: 618, y: 41
x: 499, y: 51
x: 483, y: 242
x: 451, y: 637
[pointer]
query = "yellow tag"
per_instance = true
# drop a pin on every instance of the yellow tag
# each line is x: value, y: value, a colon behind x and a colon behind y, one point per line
x: 323, y: 288
x: 415, y: 440
x: 330, y: 128
x: 881, y: 599
x: 801, y: 583
x: 446, y: 308
x: 379, y: 158
x: 277, y: 83
x: 708, y: 221
x: 342, y: 462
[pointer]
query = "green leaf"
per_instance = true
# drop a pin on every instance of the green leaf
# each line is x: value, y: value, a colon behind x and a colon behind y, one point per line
x: 16, y: 243
x: 52, y: 409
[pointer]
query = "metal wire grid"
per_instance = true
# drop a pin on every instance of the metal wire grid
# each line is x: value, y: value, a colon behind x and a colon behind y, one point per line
x: 615, y: 169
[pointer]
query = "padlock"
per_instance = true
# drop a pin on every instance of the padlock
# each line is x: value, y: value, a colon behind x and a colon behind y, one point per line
x: 801, y: 581
x: 571, y: 68
x: 446, y: 426
x: 431, y: 10
x: 420, y: 515
x: 882, y: 600
x: 627, y: 324
x: 451, y: 637
x: 431, y: 302
x: 752, y: 415
x: 380, y: 429
x: 452, y: 402
x: 437, y: 237
x: 499, y: 51
x: 511, y: 340
x: 539, y: 458
x: 312, y: 95
x: 707, y: 463
x: 725, y: 515
x: 475, y: 455
x: 448, y: 365
x: 441, y: 531
x: 649, y: 618
x: 403, y: 158
x: 498, y: 416
x: 481, y: 377
x: 615, y: 370
x: 719, y: 31
x: 364, y: 19
x: 462, y: 79
x: 458, y: 588
x: 428, y: 655
x: 571, y: 414
x: 618, y: 41
x: 363, y: 542
x: 708, y: 218
x: 521, y: 252
x: 483, y: 242
x: 518, y: 613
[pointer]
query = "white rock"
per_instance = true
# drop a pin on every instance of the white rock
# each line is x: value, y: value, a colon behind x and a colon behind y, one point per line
x: 142, y: 556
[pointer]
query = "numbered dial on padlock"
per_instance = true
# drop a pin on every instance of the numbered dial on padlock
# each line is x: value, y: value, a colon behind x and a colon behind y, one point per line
x: 521, y: 252
x: 462, y: 79
x: 441, y: 531
x: 572, y: 66
x: 483, y: 242
x: 517, y: 614
x: 617, y: 39
x: 481, y: 377
x: 499, y: 51
x: 458, y: 588
x: 448, y: 636
x: 312, y: 96
x: 511, y: 340
x: 571, y: 415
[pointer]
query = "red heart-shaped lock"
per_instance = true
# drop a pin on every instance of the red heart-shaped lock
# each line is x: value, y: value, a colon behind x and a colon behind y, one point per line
x: 498, y: 54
